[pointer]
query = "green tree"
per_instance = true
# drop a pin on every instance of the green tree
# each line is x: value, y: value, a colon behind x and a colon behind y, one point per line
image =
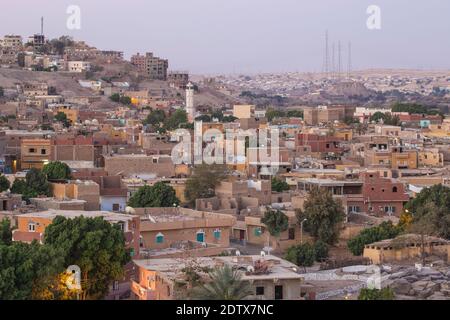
x: 436, y: 197
x: 157, y: 196
x: 57, y: 170
x: 295, y: 114
x: 203, y: 181
x: 175, y: 120
x: 4, y: 183
x: 320, y: 250
x: 279, y: 185
x: 25, y: 266
x: 125, y: 100
x: 377, y: 116
x: 155, y: 118
x: 35, y: 184
x: 19, y: 186
x: 36, y: 181
x: 324, y: 216
x: 392, y: 120
x: 386, y: 230
x: 204, y: 118
x: 62, y: 117
x: 5, y: 232
x: 302, y: 255
x: 272, y: 114
x: 93, y: 244
x: 115, y: 97
x: 376, y: 294
x: 276, y: 221
x: 225, y: 284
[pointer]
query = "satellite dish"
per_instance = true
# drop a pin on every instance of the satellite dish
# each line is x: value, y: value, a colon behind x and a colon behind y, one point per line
x: 263, y: 253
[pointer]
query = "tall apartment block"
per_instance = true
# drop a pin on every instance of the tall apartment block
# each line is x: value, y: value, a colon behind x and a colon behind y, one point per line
x: 154, y: 67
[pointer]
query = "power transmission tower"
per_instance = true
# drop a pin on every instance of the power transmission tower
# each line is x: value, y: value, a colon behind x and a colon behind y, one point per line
x: 326, y: 63
x: 333, y: 59
x: 339, y: 59
x: 349, y: 70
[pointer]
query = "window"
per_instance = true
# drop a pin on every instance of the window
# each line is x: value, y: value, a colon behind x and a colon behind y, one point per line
x: 132, y: 252
x: 31, y: 227
x: 291, y: 233
x: 43, y: 151
x: 115, y: 285
x: 353, y: 209
x: 217, y: 234
x: 121, y: 226
x: 159, y: 238
x: 32, y: 150
x: 201, y: 236
x: 258, y: 231
x: 394, y: 189
x: 259, y: 291
x: 155, y: 160
x: 115, y: 207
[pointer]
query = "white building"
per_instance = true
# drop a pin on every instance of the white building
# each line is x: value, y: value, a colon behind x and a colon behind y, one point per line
x: 78, y: 66
x: 190, y: 107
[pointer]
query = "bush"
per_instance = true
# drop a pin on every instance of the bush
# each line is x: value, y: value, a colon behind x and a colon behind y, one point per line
x: 320, y: 250
x: 376, y: 294
x: 385, y: 230
x: 302, y: 255
x: 4, y: 183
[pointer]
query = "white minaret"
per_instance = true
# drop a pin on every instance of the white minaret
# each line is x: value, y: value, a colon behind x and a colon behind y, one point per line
x: 190, y: 108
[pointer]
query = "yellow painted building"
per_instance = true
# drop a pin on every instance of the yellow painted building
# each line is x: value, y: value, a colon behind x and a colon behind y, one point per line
x: 431, y: 158
x: 34, y: 153
x: 71, y: 114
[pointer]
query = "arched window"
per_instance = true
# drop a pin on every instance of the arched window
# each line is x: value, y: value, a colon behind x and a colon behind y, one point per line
x: 159, y: 238
x: 394, y: 189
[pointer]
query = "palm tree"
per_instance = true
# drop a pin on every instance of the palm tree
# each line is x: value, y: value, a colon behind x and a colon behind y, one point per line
x: 225, y: 284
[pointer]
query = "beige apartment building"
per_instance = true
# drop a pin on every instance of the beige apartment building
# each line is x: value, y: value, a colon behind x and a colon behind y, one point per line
x: 326, y: 114
x: 154, y: 67
x: 34, y: 153
x: 165, y: 228
x: 431, y: 158
x: 11, y: 41
x: 270, y: 277
x: 87, y: 190
x: 244, y: 111
x: 140, y: 165
x: 78, y: 66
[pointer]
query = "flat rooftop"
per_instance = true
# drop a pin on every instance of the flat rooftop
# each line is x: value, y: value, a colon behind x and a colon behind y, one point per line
x: 278, y: 268
x: 70, y: 214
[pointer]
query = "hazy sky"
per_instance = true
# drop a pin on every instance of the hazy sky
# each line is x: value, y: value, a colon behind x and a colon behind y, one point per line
x: 227, y: 36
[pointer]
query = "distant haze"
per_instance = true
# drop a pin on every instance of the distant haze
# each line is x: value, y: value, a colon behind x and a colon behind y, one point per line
x: 249, y: 36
